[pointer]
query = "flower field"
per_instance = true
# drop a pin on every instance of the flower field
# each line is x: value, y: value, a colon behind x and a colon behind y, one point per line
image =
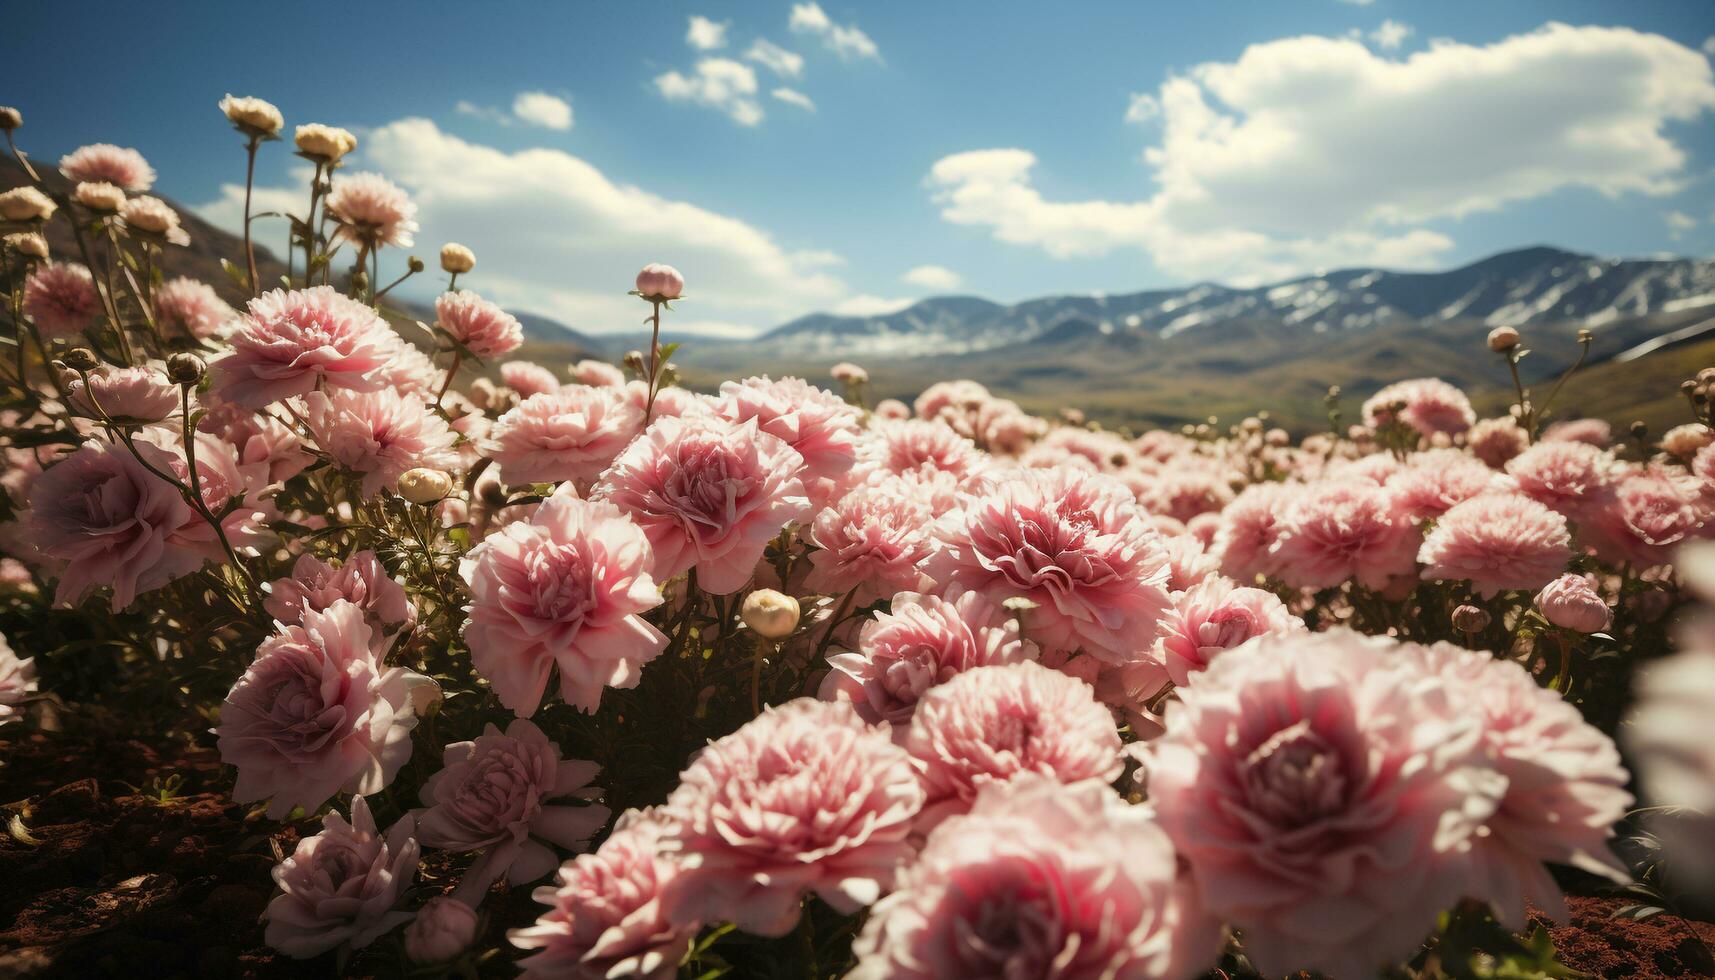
x: 399, y: 657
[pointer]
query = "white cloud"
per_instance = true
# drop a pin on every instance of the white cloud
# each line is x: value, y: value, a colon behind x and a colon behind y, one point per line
x: 933, y: 277
x: 1312, y: 151
x: 719, y: 83
x: 792, y: 96
x: 1359, y: 3
x: 1709, y: 44
x: 786, y: 64
x: 1391, y: 34
x: 544, y: 110
x: 705, y: 34
x: 845, y: 40
x: 554, y: 235
x: 1678, y: 223
x: 864, y: 304
x: 1142, y: 108
x: 494, y: 115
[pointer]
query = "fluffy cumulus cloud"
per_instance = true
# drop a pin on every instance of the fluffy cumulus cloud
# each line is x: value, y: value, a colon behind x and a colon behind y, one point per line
x: 932, y: 277
x: 1311, y: 151
x: 792, y: 96
x: 556, y: 236
x: 721, y: 84
x: 786, y: 64
x: 544, y: 110
x: 705, y: 34
x: 1391, y: 34
x: 845, y: 40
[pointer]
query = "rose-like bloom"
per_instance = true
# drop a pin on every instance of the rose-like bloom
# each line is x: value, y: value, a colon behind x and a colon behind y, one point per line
x: 317, y: 714
x: 913, y: 446
x: 379, y: 434
x: 817, y: 424
x: 26, y: 204
x: 152, y: 216
x: 604, y: 918
x: 1212, y: 618
x: 456, y: 258
x: 293, y: 342
x: 1343, y: 529
x: 1250, y: 525
x: 1565, y: 787
x: 710, y: 494
x: 258, y: 439
x: 806, y: 797
x: 190, y: 307
x: 1495, y: 441
x: 60, y: 297
x: 1075, y: 544
x: 340, y: 887
x: 1571, y: 602
x: 496, y: 792
x: 1182, y: 493
x: 252, y: 116
x: 1685, y: 440
x: 660, y: 282
x: 1189, y: 564
x: 924, y: 641
x: 1497, y: 541
x: 1594, y: 432
x: 565, y: 588
x: 116, y: 165
x: 444, y: 928
x: 1571, y: 477
x: 1040, y: 880
x: 17, y: 681
x: 1326, y: 796
x: 573, y: 433
x: 141, y: 393
x: 100, y: 196
x: 1430, y: 405
x: 1647, y: 516
x: 483, y: 328
x: 527, y: 378
x: 598, y: 374
x: 314, y: 586
x: 1434, y: 481
x: 871, y: 540
x: 848, y: 373
x: 371, y: 210
x: 943, y: 395
x: 326, y: 144
x: 989, y: 724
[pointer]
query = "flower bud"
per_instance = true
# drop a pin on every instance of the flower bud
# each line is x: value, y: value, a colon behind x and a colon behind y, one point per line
x: 184, y: 369
x: 415, y: 265
x: 1503, y: 339
x: 773, y: 615
x: 444, y: 928
x: 10, y: 118
x: 1706, y: 376
x: 457, y: 259
x: 28, y: 243
x: 659, y: 283
x: 1639, y: 430
x: 26, y: 204
x: 80, y: 359
x: 1571, y: 602
x: 424, y: 486
x: 252, y: 116
x: 100, y: 196
x: 1470, y: 619
x: 324, y: 144
x: 633, y: 361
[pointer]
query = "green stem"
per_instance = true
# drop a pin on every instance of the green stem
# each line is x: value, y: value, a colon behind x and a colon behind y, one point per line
x: 249, y: 184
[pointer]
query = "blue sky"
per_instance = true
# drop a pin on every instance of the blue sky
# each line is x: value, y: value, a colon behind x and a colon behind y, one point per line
x: 1003, y: 144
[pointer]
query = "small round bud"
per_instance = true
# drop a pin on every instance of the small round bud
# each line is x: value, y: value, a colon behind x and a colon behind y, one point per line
x: 424, y: 486
x: 773, y: 615
x: 1503, y: 339
x: 1585, y: 335
x: 184, y: 369
x: 1470, y: 619
x: 455, y: 258
x: 1639, y: 430
x: 10, y: 118
x: 633, y: 361
x: 28, y: 243
x: 659, y: 283
x: 415, y: 265
x: 81, y: 359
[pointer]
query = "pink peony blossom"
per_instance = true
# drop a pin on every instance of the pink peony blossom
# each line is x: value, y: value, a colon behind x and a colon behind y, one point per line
x: 1497, y: 541
x: 1434, y: 481
x: 564, y: 588
x: 870, y: 541
x: 604, y: 918
x: 293, y: 342
x: 923, y: 641
x: 573, y: 433
x: 528, y: 378
x: 17, y: 681
x: 1075, y: 544
x: 495, y: 793
x: 818, y: 425
x: 371, y: 210
x: 1594, y: 432
x: 804, y: 798
x: 258, y: 439
x: 1185, y: 493
x: 942, y: 395
x: 1249, y: 528
x: 105, y: 163
x: 989, y: 724
x: 1496, y: 441
x: 481, y: 327
x: 1343, y: 529
x: 1648, y: 515
x: 141, y: 393
x: 891, y: 410
x: 913, y: 446
x: 341, y: 886
x: 317, y: 714
x: 1428, y: 405
x: 60, y: 297
x: 1188, y: 563
x: 379, y: 434
x: 1214, y: 617
x: 1571, y: 602
x: 1040, y: 880
x: 191, y: 308
x: 1327, y: 799
x: 710, y: 494
x: 1571, y: 477
x: 660, y: 282
x: 314, y: 586
x: 444, y: 928
x: 598, y: 374
x: 154, y: 217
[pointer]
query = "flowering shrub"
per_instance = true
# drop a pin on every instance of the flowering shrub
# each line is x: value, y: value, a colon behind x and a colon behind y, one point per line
x: 771, y: 678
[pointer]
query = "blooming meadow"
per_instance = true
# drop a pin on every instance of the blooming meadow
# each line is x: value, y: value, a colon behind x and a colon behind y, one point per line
x: 774, y: 680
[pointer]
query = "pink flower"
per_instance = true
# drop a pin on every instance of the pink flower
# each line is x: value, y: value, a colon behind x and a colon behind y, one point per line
x: 892, y: 410
x: 565, y: 588
x: 573, y: 433
x: 804, y: 798
x: 989, y: 724
x: 1495, y: 441
x: 604, y: 919
x: 914, y: 446
x: 317, y: 714
x: 817, y: 424
x: 1497, y: 541
x: 1040, y: 880
x: 598, y: 374
x: 379, y: 434
x: 1571, y: 477
x: 259, y: 439
x: 152, y: 216
x: 1343, y: 529
x: 104, y: 162
x: 17, y: 681
x: 371, y: 210
x: 1184, y: 493
x: 528, y: 378
x: 1571, y: 602
x: 494, y: 793
x: 924, y: 641
x: 292, y: 342
x: 1648, y: 515
x: 1429, y: 405
x: 1668, y: 729
x: 1249, y: 528
x: 140, y: 393
x: 1214, y: 617
x: 710, y: 494
x: 340, y: 887
x: 1594, y: 432
x: 444, y: 928
x: 483, y: 328
x: 1075, y: 544
x: 943, y: 395
x: 1326, y: 798
x: 1432, y: 482
x: 314, y: 586
x: 1188, y: 563
x: 60, y: 297
x: 660, y: 282
x: 871, y: 540
x: 190, y: 307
